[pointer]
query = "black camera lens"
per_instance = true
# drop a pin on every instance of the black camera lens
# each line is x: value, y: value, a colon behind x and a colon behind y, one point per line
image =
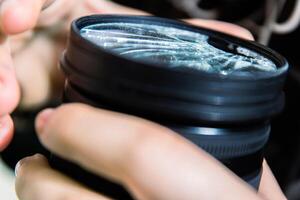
x: 214, y: 89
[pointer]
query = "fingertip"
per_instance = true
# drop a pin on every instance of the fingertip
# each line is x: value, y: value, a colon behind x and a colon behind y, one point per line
x: 15, y: 21
x: 269, y: 187
x: 245, y: 34
x: 9, y: 87
x: 26, y: 171
x: 17, y: 17
x: 6, y: 131
x: 35, y: 178
x: 42, y: 119
x: 37, y: 159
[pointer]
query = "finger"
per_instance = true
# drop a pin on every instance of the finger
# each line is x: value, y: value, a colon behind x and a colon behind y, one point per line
x: 224, y: 27
x: 19, y: 41
x: 57, y: 11
x: 34, y: 76
x: 269, y: 187
x: 102, y: 7
x: 6, y: 131
x: 9, y: 92
x: 34, y: 180
x: 9, y: 89
x: 89, y: 7
x: 109, y: 7
x: 150, y: 160
x: 20, y: 15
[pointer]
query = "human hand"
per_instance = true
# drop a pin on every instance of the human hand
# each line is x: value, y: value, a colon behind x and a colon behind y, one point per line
x: 151, y: 161
x: 32, y: 37
x: 18, y: 39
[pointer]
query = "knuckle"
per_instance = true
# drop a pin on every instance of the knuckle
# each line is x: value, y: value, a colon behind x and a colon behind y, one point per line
x: 21, y: 167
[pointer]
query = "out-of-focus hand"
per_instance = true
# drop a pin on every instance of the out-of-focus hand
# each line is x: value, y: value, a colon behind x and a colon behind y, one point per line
x: 151, y: 161
x: 17, y: 37
x: 32, y: 36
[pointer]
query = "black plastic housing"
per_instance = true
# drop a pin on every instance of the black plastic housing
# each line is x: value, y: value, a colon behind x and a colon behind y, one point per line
x: 226, y: 115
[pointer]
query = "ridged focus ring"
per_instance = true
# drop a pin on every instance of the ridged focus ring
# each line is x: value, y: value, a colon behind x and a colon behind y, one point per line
x: 227, y: 143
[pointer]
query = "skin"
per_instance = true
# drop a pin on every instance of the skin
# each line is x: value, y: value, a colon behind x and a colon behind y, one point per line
x: 150, y: 160
x: 20, y: 42
x: 130, y: 150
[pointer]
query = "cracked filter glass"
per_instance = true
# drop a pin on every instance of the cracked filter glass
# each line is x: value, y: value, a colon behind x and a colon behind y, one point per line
x: 175, y: 48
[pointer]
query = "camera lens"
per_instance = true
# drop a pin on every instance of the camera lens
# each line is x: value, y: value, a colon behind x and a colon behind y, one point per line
x: 214, y: 89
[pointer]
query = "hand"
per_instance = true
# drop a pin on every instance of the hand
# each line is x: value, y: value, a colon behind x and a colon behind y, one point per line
x: 32, y: 36
x: 17, y: 20
x: 151, y: 161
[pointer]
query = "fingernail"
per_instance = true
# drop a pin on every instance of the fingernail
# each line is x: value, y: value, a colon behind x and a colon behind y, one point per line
x: 18, y: 165
x: 37, y: 158
x: 42, y: 119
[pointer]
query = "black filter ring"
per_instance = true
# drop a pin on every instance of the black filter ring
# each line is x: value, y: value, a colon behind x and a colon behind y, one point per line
x: 221, y: 108
x: 208, y: 108
x: 220, y: 98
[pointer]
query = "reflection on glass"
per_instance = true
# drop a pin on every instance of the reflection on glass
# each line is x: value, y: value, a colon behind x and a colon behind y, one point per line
x: 174, y: 47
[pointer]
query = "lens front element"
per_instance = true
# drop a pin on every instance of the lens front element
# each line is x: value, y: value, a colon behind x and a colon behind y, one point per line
x: 173, y: 47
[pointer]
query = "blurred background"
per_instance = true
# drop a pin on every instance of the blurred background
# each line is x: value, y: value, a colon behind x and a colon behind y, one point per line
x: 274, y: 23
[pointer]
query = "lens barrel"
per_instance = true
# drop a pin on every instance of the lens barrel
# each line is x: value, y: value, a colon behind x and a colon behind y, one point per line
x: 226, y: 115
